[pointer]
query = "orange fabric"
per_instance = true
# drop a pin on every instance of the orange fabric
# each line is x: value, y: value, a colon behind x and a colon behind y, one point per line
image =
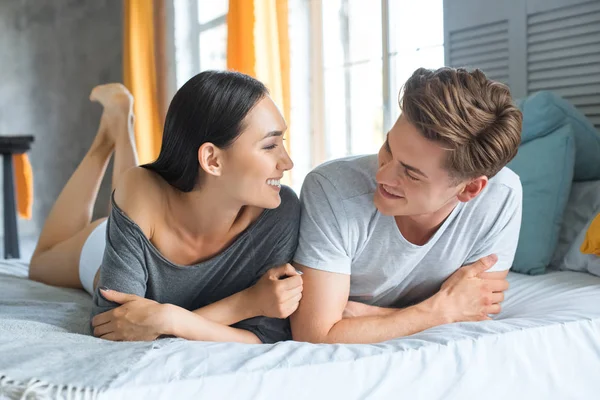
x: 23, y: 185
x: 162, y: 62
x: 258, y: 45
x: 240, y: 37
x: 139, y: 61
x: 591, y: 242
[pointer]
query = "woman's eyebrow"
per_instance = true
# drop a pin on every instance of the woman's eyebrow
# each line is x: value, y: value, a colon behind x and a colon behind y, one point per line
x: 273, y: 133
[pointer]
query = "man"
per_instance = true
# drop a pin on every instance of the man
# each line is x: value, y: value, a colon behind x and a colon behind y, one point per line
x: 395, y: 243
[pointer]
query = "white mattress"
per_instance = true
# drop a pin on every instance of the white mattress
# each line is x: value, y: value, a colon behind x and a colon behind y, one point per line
x: 545, y: 344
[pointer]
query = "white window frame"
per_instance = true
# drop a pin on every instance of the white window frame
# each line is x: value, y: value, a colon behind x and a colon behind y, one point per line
x: 317, y: 74
x: 182, y: 16
x: 201, y: 28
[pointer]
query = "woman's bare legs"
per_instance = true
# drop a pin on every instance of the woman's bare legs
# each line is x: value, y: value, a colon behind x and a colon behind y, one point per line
x: 55, y: 260
x: 125, y: 155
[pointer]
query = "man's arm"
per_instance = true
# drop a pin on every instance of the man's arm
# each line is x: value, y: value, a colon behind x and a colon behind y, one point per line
x: 319, y: 317
x: 355, y: 309
x: 464, y: 297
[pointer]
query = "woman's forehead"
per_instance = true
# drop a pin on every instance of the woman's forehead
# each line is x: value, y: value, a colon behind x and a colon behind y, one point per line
x: 264, y: 118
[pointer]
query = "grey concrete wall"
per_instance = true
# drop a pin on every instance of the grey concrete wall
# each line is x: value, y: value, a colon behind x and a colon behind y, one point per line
x: 52, y: 52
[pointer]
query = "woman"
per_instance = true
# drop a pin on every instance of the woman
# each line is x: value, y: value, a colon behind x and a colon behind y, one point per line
x: 193, y: 237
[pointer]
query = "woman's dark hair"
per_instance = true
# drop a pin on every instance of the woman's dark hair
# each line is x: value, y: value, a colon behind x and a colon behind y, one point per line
x: 210, y: 107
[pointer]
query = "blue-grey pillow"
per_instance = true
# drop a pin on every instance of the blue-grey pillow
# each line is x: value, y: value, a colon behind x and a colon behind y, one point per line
x: 545, y: 166
x: 545, y: 111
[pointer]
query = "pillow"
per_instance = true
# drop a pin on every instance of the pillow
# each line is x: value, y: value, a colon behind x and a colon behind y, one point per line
x: 545, y: 166
x: 575, y: 260
x: 591, y: 242
x: 583, y: 203
x: 544, y: 111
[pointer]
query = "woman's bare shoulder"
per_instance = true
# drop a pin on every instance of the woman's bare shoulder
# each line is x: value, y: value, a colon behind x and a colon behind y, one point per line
x: 140, y: 194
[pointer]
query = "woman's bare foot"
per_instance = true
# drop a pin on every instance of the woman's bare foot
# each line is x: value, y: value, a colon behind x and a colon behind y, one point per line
x: 117, y: 118
x: 113, y: 95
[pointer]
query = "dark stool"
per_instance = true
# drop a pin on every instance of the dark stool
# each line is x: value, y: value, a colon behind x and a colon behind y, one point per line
x: 10, y: 145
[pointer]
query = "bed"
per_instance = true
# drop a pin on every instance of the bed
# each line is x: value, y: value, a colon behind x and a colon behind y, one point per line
x: 545, y: 344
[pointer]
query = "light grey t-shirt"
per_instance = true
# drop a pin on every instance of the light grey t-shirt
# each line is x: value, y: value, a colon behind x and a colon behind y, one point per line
x: 341, y: 231
x: 133, y: 265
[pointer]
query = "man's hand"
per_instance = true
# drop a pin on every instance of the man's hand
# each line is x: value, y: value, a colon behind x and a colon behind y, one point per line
x: 137, y: 319
x: 470, y: 294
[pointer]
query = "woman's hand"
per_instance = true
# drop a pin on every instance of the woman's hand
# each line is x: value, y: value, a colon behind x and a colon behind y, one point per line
x: 278, y: 292
x: 137, y: 319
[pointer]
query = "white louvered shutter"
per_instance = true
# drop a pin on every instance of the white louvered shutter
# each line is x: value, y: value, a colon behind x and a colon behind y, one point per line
x: 531, y: 45
x: 563, y: 55
x: 484, y: 47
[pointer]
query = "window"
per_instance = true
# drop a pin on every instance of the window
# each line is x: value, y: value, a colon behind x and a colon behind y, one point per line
x: 369, y: 49
x: 416, y: 40
x: 212, y: 17
x: 200, y: 36
x: 352, y: 69
x: 349, y: 59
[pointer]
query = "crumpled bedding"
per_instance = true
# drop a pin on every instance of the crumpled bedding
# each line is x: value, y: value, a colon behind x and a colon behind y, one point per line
x: 545, y: 344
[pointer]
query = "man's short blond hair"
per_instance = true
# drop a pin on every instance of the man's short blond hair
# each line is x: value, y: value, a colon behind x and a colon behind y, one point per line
x: 470, y: 115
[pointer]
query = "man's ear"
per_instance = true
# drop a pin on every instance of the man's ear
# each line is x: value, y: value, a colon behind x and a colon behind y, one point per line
x: 472, y: 188
x: 210, y: 158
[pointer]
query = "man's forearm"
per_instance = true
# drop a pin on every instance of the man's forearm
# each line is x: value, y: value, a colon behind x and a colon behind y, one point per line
x: 228, y: 311
x: 189, y: 325
x: 381, y: 311
x: 389, y: 325
x: 355, y: 309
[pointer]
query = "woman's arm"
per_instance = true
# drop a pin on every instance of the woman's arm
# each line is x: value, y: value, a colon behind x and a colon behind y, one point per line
x: 275, y: 295
x: 138, y: 318
x: 123, y: 267
x: 141, y: 319
x: 230, y: 310
x: 192, y: 326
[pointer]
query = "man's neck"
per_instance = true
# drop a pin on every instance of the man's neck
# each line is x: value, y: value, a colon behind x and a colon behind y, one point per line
x: 419, y: 229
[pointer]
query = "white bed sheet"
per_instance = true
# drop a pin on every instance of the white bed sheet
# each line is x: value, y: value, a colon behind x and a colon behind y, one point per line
x: 545, y: 344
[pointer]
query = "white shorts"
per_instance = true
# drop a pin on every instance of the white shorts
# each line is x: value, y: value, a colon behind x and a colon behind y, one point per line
x: 91, y: 257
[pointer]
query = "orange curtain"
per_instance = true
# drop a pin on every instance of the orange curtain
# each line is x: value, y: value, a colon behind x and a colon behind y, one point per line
x: 258, y: 45
x: 140, y: 75
x: 23, y: 185
x: 240, y: 37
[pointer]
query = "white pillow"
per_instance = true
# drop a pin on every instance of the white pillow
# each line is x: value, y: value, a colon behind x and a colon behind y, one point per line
x: 583, y: 204
x: 575, y: 260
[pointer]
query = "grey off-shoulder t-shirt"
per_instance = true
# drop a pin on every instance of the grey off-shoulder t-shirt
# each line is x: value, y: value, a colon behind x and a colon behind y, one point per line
x: 131, y: 264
